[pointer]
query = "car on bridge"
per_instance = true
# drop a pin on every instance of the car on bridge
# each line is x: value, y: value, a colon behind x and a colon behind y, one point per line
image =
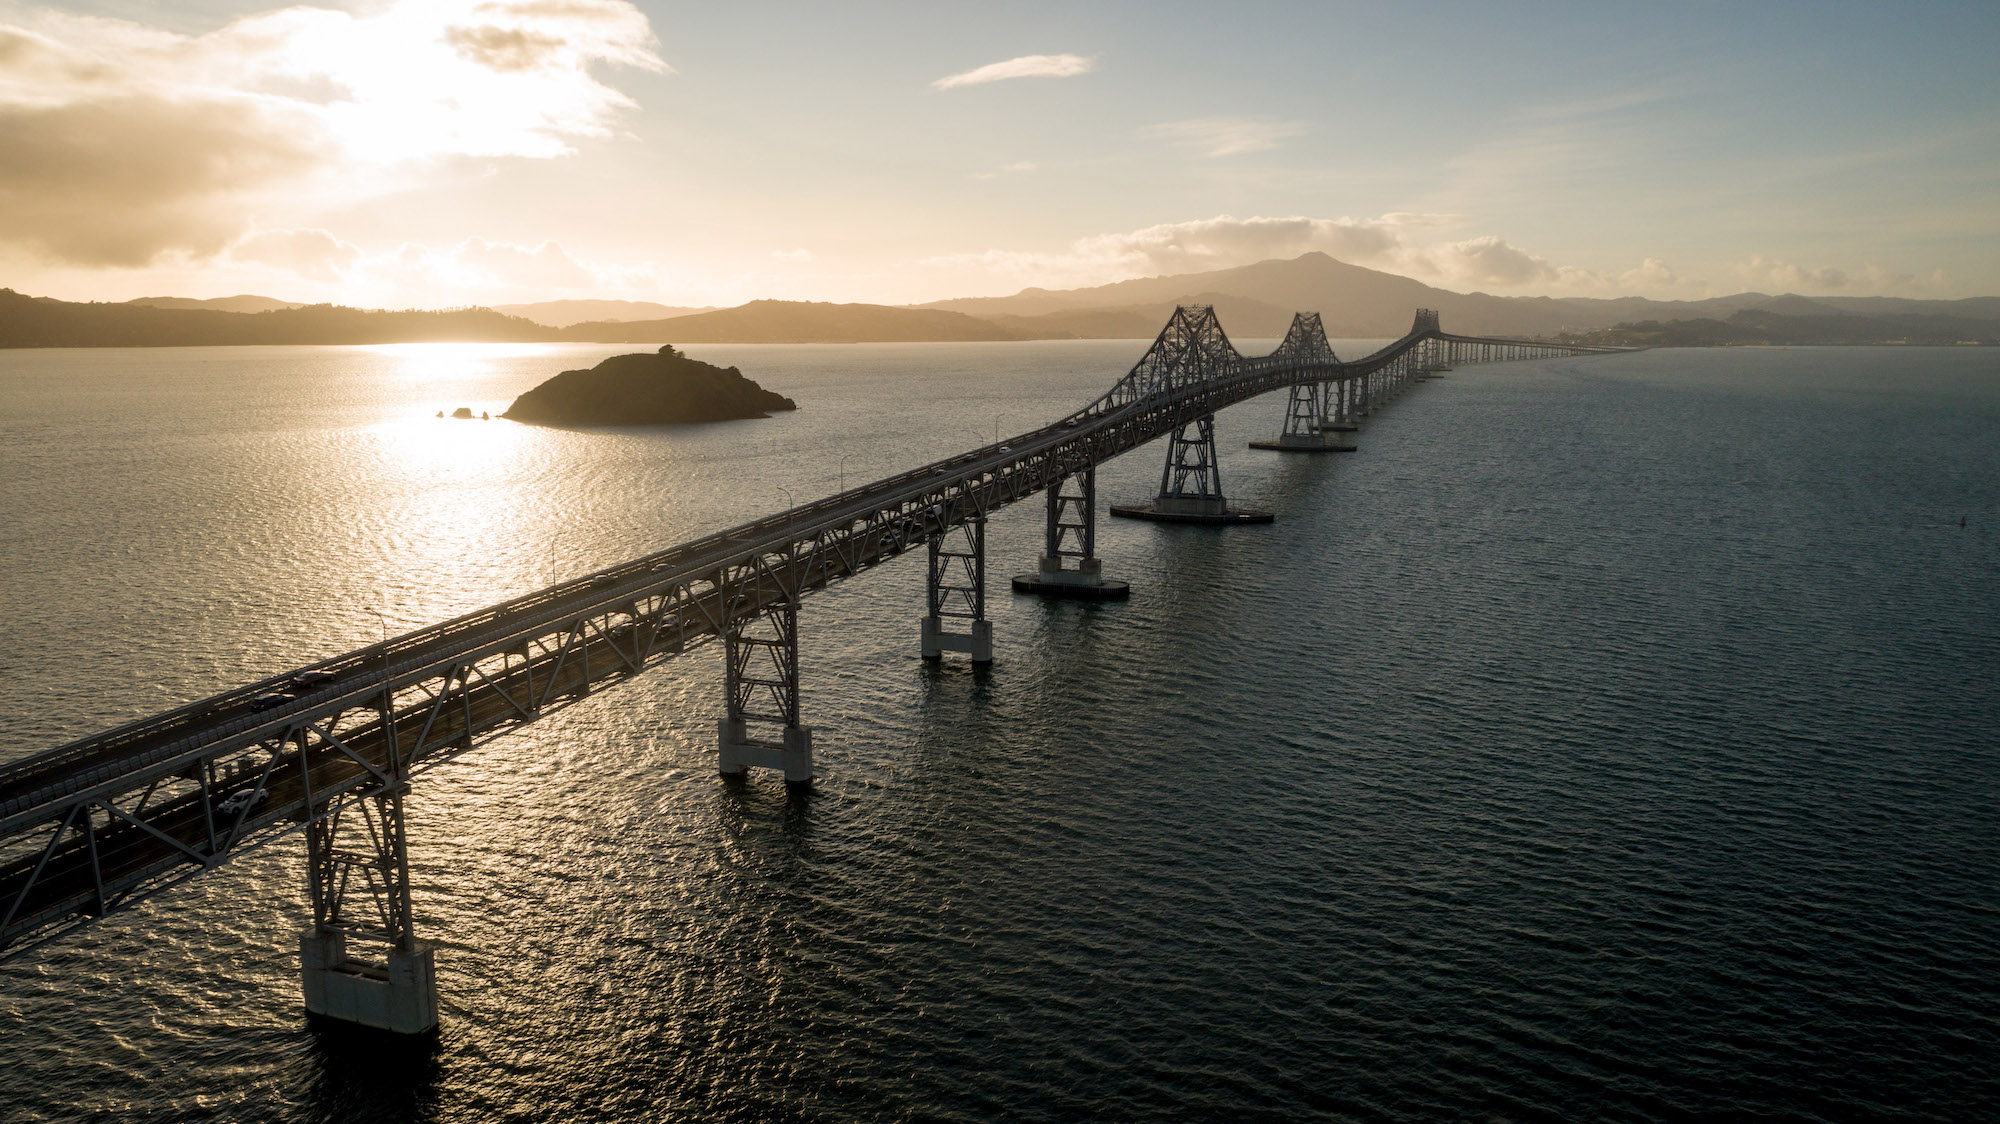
x: 308, y: 680
x: 241, y: 802
x: 271, y: 700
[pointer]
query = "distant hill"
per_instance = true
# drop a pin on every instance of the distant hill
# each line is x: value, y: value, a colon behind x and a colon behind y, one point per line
x: 42, y: 322
x: 217, y: 304
x: 1752, y: 326
x: 1357, y: 302
x: 1253, y: 301
x: 561, y: 314
x: 800, y: 322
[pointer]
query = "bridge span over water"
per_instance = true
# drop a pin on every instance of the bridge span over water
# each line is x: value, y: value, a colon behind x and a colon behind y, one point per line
x: 332, y: 750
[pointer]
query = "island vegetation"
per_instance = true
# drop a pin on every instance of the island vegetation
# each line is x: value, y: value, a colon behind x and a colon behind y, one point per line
x: 656, y: 388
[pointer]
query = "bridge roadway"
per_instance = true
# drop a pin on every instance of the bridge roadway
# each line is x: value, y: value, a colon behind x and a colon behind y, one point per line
x: 108, y: 820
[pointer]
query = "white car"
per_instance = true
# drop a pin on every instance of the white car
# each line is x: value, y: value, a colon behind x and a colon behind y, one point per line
x: 241, y: 802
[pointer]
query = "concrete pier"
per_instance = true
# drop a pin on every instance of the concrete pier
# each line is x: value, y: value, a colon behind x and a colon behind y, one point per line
x: 1085, y: 583
x: 1333, y: 437
x: 978, y: 644
x: 399, y: 996
x: 1207, y: 510
x: 736, y: 752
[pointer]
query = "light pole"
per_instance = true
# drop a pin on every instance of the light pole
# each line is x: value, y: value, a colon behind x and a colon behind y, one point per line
x: 789, y: 505
x: 843, y: 471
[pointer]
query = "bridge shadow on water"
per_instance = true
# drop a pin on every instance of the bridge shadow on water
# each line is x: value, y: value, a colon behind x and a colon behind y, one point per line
x: 360, y: 1076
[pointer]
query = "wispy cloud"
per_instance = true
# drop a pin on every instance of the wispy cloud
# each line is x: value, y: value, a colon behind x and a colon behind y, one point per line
x: 1019, y: 168
x: 1027, y: 66
x: 1210, y: 137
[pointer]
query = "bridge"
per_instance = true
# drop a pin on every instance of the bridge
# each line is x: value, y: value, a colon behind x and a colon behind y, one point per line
x: 331, y: 750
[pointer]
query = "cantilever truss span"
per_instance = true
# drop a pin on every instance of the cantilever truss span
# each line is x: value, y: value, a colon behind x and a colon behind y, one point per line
x: 106, y: 821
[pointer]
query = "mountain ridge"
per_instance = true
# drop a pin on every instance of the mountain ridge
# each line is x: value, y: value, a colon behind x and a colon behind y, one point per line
x: 1253, y: 301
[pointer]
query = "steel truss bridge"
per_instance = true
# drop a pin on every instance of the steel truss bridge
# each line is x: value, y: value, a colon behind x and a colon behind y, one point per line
x: 331, y: 750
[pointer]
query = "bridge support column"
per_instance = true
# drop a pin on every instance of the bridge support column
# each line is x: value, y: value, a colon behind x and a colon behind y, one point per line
x: 1191, y: 483
x: 398, y: 991
x: 1305, y: 423
x: 761, y: 669
x: 956, y: 590
x: 1072, y: 534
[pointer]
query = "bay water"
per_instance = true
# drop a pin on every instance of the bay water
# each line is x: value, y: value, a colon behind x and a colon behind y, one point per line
x: 1609, y: 737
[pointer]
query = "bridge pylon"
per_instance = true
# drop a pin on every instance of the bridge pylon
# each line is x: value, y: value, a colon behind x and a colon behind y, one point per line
x: 1309, y: 424
x: 371, y: 858
x: 956, y: 590
x: 761, y: 668
x: 1072, y: 535
x: 1191, y: 483
x: 1307, y: 428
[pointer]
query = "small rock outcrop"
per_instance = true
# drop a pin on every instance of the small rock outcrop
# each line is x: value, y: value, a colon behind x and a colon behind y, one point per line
x: 646, y: 389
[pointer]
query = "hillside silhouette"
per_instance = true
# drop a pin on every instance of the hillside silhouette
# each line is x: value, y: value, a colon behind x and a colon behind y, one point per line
x: 41, y: 322
x: 1253, y: 301
x: 800, y: 322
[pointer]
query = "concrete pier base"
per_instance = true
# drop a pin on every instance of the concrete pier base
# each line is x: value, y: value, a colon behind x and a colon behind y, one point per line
x: 1209, y: 510
x: 978, y: 645
x: 1330, y: 439
x: 1085, y: 583
x: 399, y: 996
x: 736, y: 752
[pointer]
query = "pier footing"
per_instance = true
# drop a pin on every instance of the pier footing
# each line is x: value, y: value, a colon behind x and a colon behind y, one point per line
x: 1086, y: 583
x: 978, y: 644
x: 736, y: 752
x: 1211, y: 511
x: 1330, y: 439
x: 399, y: 996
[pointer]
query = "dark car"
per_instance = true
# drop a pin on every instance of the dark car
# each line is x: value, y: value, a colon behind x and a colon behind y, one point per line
x: 272, y: 700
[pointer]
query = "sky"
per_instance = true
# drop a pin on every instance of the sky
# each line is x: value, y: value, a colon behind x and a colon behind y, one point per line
x: 440, y: 153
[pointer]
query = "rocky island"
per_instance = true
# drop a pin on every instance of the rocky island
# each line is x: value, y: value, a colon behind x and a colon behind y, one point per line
x: 657, y: 388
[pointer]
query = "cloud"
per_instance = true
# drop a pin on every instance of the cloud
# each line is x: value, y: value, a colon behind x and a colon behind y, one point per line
x: 547, y: 266
x: 1027, y: 66
x: 1397, y: 242
x: 112, y: 183
x: 1200, y: 244
x: 313, y: 254
x: 1772, y: 275
x: 801, y: 254
x: 1021, y: 167
x: 1778, y: 276
x: 1649, y: 274
x: 1210, y: 137
x: 1487, y: 260
x: 123, y: 143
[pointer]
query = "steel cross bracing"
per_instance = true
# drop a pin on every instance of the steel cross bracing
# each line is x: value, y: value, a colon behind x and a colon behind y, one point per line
x: 957, y: 585
x: 111, y: 819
